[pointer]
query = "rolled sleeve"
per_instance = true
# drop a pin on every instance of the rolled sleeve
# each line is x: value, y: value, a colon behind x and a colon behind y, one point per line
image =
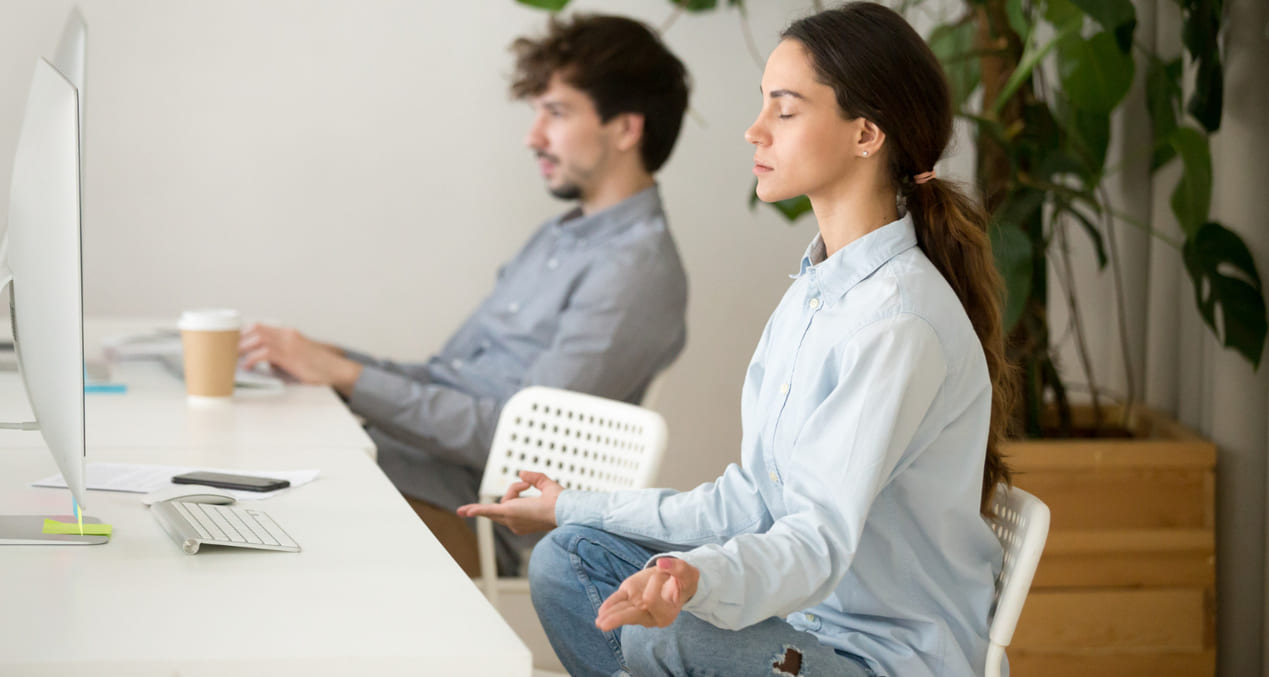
x: 452, y: 425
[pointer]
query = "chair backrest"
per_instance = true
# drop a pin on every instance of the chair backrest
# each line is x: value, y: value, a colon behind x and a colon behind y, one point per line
x: 1021, y: 522
x: 581, y: 441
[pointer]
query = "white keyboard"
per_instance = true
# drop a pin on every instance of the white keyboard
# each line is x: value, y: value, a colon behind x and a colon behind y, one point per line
x: 193, y: 525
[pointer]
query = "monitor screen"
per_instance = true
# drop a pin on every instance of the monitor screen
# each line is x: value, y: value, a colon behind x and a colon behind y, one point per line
x: 44, y: 259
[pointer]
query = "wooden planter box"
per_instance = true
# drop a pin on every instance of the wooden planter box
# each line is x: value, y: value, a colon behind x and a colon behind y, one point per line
x: 1126, y: 585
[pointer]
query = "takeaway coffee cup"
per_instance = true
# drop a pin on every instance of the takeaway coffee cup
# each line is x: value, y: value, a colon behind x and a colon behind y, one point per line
x: 209, y: 339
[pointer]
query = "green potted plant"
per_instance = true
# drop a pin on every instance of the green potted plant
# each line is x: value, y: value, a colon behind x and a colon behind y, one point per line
x: 1133, y: 509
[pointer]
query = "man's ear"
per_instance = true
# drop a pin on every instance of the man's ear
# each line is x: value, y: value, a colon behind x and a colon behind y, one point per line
x: 629, y: 127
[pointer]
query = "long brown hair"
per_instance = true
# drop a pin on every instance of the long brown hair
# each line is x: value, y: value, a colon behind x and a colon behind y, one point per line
x: 881, y: 70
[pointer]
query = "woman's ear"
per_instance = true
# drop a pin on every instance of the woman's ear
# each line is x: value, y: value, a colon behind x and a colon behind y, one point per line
x: 869, y: 138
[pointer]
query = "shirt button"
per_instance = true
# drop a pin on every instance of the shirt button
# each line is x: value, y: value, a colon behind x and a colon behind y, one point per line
x: 815, y: 303
x: 774, y: 477
x: 457, y: 364
x: 552, y: 264
x: 514, y: 307
x: 784, y: 389
x: 810, y: 618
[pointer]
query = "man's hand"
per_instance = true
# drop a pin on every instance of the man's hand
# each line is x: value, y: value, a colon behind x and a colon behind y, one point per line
x: 305, y: 359
x: 526, y: 515
x: 652, y: 597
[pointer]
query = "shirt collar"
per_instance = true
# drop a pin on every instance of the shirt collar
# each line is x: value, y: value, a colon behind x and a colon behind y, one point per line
x: 584, y: 228
x: 838, y: 273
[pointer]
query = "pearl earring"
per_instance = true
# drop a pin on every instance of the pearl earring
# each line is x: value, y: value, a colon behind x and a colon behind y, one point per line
x: 865, y: 153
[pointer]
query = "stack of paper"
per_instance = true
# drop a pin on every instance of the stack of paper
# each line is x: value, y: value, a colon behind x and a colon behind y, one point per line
x: 143, y: 479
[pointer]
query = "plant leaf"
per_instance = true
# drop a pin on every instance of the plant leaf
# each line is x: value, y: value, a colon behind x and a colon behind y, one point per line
x: 1163, y: 100
x: 1093, y: 232
x: 1192, y: 196
x: 695, y: 5
x: 1117, y: 16
x: 791, y: 208
x: 1201, y: 34
x: 1094, y: 73
x: 1063, y: 12
x: 1209, y: 91
x: 1027, y: 63
x: 1011, y: 249
x: 1087, y: 137
x: 1018, y: 19
x: 549, y: 5
x: 1224, y: 274
x: 953, y: 44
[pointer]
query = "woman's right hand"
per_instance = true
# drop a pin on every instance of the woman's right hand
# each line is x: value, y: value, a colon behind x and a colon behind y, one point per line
x: 523, y: 515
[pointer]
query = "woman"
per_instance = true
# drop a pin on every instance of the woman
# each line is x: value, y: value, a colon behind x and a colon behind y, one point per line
x: 850, y: 542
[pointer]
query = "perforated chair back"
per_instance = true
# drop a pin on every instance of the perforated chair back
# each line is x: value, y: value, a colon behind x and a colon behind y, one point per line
x: 581, y: 441
x: 1021, y: 522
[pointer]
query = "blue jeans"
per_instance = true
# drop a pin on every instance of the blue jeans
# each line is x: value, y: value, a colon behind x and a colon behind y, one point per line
x: 574, y: 569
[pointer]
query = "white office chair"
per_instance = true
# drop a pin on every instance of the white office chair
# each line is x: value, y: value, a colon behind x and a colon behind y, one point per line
x: 581, y: 441
x: 1021, y: 522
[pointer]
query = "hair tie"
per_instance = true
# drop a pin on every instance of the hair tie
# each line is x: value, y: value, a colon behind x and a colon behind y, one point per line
x: 923, y: 177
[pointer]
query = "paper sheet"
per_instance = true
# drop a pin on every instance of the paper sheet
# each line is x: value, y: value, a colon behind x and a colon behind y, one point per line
x: 142, y: 479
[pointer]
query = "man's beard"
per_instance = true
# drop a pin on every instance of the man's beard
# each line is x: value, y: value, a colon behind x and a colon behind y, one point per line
x: 568, y: 191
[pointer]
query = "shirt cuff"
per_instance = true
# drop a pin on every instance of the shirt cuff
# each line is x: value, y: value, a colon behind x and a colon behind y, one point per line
x: 586, y: 508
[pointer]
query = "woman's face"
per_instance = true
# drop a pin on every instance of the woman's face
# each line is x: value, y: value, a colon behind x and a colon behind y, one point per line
x: 802, y: 144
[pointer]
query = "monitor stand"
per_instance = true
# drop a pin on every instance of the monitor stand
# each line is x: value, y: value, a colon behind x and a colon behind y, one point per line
x: 29, y: 530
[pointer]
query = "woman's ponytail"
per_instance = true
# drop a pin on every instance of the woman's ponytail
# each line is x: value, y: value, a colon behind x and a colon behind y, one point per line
x: 952, y: 231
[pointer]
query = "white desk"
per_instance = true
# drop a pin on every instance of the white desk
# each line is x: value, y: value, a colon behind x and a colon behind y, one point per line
x: 372, y: 593
x: 153, y: 413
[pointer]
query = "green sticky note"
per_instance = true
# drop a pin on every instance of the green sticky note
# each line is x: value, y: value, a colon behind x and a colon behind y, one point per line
x: 55, y: 527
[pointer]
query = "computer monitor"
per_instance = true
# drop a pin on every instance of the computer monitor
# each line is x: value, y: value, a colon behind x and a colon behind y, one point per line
x: 42, y: 254
x: 71, y: 60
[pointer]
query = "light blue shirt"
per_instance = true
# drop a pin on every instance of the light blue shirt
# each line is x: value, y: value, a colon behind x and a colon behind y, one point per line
x: 855, y: 510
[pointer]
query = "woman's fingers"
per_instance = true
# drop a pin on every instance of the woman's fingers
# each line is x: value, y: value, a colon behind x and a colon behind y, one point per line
x: 514, y: 490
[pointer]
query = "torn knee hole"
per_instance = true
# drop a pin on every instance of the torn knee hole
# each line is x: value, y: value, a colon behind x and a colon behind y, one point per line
x: 789, y: 663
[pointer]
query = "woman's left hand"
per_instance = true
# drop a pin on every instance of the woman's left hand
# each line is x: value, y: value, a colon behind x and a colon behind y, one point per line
x: 652, y: 597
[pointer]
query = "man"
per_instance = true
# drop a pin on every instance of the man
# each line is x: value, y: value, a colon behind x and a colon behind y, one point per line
x: 594, y: 302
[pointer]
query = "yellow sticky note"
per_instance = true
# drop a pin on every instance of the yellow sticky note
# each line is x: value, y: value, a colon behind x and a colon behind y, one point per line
x: 55, y: 527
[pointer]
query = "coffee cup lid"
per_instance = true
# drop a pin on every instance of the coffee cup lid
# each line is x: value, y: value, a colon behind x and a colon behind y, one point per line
x: 215, y: 319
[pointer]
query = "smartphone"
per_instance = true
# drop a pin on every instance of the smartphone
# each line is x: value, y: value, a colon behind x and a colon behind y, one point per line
x: 227, y: 481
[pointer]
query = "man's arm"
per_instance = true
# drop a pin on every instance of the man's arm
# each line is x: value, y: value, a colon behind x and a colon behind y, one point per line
x: 624, y: 320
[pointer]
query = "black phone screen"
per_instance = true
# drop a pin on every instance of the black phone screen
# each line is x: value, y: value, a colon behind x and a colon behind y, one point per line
x: 228, y: 481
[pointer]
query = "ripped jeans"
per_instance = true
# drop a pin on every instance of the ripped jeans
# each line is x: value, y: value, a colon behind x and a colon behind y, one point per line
x: 574, y: 569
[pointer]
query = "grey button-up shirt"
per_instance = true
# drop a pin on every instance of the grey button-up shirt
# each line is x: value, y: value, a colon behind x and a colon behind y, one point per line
x: 592, y: 303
